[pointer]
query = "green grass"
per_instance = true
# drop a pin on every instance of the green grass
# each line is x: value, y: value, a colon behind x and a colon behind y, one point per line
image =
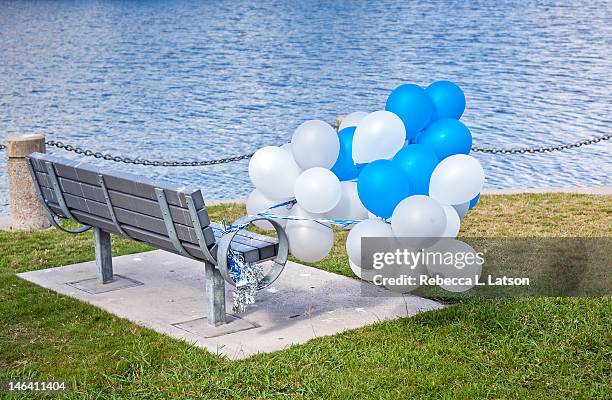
x: 477, y: 348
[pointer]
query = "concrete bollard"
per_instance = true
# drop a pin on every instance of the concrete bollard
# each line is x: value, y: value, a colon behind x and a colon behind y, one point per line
x: 26, y: 211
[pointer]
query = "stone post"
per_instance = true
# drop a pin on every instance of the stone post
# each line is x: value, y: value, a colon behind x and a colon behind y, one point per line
x: 26, y: 211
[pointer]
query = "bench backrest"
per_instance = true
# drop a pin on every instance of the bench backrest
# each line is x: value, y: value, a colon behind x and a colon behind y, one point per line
x: 156, y: 213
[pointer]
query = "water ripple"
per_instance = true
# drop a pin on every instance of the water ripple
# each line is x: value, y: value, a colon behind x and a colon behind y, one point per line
x: 193, y: 80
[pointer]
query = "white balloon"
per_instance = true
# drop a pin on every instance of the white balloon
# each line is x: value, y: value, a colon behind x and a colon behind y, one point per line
x: 462, y: 209
x: 367, y: 228
x: 421, y: 218
x: 373, y: 216
x: 273, y: 171
x: 456, y: 179
x: 257, y: 202
x: 287, y: 147
x: 440, y: 267
x: 366, y: 275
x: 396, y: 271
x: 379, y: 135
x: 315, y: 144
x: 317, y: 190
x: 352, y: 119
x: 309, y: 241
x: 355, y: 268
x: 453, y: 222
x: 349, y: 206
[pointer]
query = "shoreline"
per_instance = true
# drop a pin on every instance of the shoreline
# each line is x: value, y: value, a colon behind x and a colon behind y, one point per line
x: 593, y: 190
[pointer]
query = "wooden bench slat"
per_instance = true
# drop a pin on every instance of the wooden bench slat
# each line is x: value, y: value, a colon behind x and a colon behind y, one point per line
x: 123, y: 200
x: 119, y: 181
x: 267, y: 249
x: 129, y: 217
x: 250, y: 254
x: 185, y: 233
x: 263, y: 238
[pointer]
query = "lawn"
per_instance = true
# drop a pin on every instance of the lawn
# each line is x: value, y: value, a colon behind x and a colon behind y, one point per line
x: 476, y: 348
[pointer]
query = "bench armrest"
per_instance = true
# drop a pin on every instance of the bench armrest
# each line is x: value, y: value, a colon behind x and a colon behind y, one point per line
x: 279, y: 261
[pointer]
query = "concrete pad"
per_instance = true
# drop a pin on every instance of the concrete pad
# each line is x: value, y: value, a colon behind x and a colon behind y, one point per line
x: 304, y: 303
x: 201, y: 327
x: 92, y: 286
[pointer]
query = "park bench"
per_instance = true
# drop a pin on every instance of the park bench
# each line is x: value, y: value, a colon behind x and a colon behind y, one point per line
x: 168, y: 217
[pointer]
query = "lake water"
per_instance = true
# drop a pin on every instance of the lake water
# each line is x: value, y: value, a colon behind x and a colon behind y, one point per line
x: 173, y: 80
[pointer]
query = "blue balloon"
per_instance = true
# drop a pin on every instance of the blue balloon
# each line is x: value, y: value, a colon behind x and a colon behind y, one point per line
x: 419, y: 162
x: 474, y: 201
x: 381, y: 186
x: 447, y: 137
x: 413, y: 106
x: 417, y: 137
x: 448, y: 100
x: 344, y: 168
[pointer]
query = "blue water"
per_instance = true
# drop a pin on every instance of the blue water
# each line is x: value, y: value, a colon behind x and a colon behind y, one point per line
x: 175, y: 80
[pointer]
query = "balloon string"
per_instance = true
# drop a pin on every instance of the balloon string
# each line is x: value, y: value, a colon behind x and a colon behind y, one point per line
x: 342, y: 223
x: 286, y: 203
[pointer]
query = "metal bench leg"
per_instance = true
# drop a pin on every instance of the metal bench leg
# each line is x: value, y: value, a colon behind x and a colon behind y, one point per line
x: 215, y: 295
x: 104, y: 258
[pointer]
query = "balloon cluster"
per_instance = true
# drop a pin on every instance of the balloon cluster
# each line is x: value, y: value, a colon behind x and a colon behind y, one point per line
x: 403, y: 171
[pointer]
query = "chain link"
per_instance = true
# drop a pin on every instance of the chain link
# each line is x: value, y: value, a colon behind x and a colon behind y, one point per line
x: 544, y: 149
x: 201, y: 163
x: 141, y: 161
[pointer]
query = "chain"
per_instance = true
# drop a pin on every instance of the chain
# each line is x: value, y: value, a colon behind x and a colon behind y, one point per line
x: 545, y: 149
x: 201, y: 163
x: 140, y: 161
